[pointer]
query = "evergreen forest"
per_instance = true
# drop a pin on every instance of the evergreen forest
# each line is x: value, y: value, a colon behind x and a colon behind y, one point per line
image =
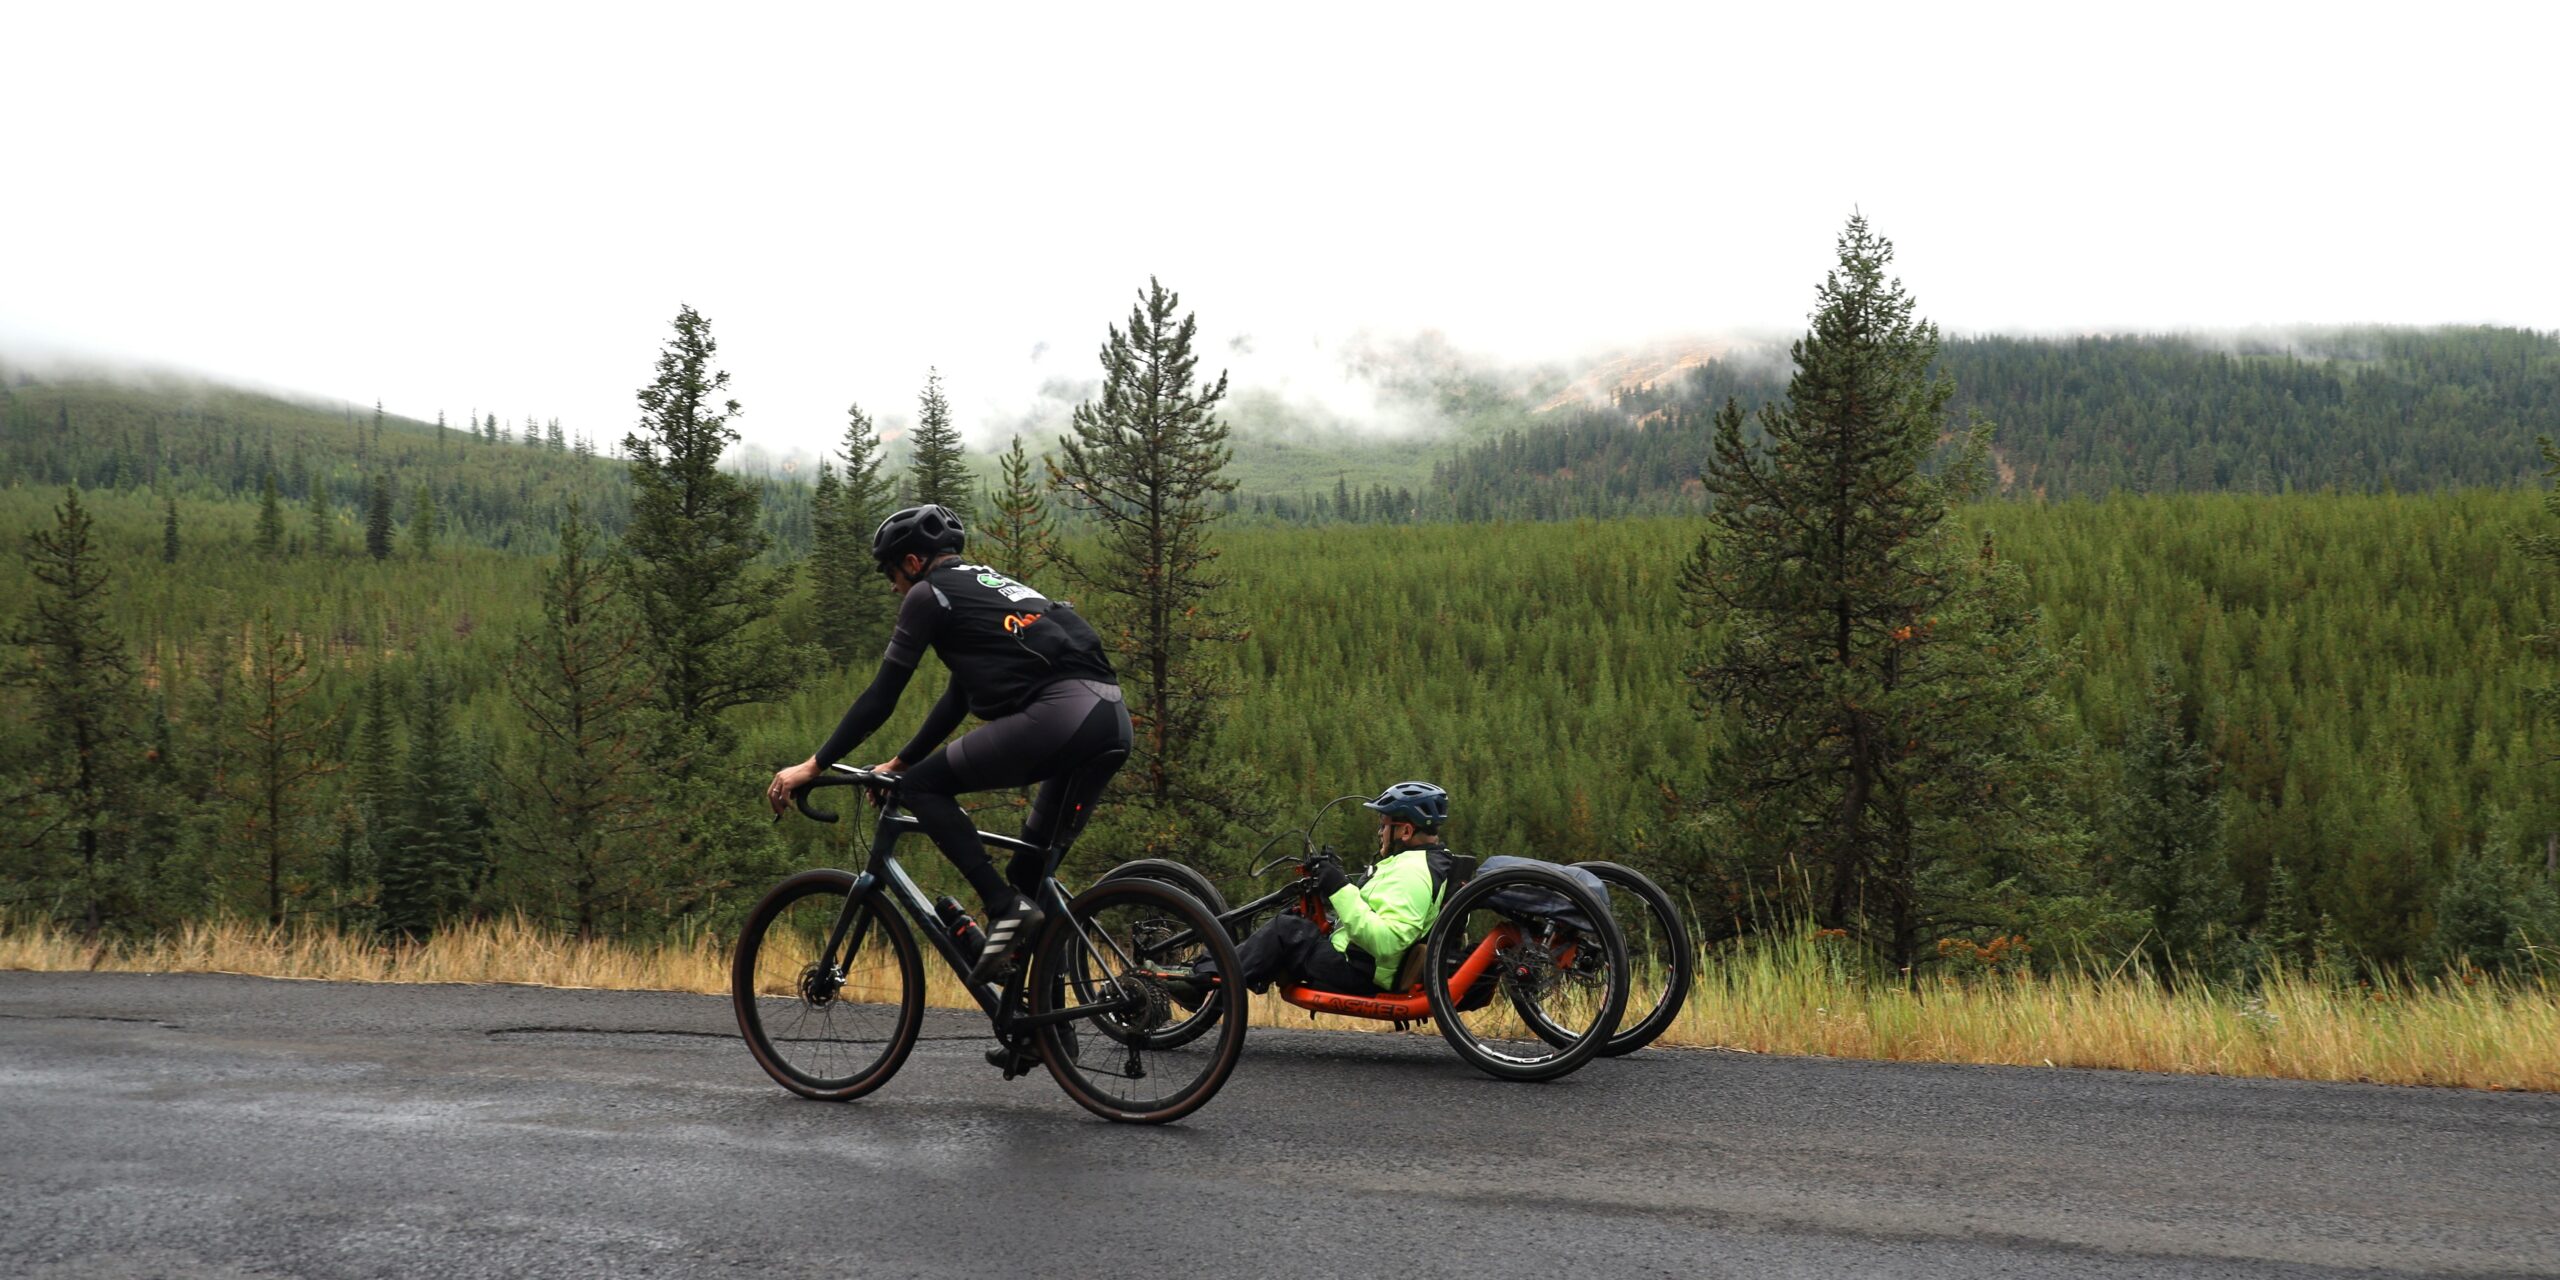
x: 2289, y: 630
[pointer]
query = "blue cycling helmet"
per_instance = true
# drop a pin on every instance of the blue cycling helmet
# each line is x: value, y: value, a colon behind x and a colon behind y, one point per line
x: 1419, y: 803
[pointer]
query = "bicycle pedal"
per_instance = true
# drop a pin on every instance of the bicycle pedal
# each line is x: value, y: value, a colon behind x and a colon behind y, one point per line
x: 1015, y: 1063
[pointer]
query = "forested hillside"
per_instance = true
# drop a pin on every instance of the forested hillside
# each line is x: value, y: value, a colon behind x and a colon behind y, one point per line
x: 2359, y: 411
x: 497, y: 483
x: 2352, y: 665
x: 2363, y: 411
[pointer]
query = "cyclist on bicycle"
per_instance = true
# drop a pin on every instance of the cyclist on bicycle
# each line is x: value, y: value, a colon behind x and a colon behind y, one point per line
x: 1028, y: 666
x: 1373, y: 922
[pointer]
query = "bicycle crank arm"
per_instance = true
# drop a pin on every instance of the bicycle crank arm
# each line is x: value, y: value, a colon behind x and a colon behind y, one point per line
x: 1029, y: 1021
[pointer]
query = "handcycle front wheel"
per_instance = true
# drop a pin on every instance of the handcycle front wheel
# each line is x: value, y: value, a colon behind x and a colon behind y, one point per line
x: 1562, y: 973
x: 1115, y: 1062
x: 830, y: 1031
x: 1171, y: 942
x: 1661, y: 960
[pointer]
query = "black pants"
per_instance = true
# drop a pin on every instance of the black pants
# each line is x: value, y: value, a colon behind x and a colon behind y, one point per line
x: 1292, y: 945
x: 1070, y: 738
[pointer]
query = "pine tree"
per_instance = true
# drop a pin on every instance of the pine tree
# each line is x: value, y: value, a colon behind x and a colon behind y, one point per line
x: 287, y: 753
x: 2492, y: 910
x: 169, y: 529
x: 270, y: 518
x: 2165, y: 833
x: 1884, y: 748
x: 377, y: 519
x: 1143, y: 461
x: 1020, y: 535
x: 587, y: 842
x: 426, y: 872
x: 940, y: 469
x: 693, y: 539
x: 552, y: 439
x: 377, y: 761
x: 2285, y: 924
x: 83, y: 682
x: 424, y: 524
x: 828, y: 561
x: 869, y: 494
x: 323, y: 520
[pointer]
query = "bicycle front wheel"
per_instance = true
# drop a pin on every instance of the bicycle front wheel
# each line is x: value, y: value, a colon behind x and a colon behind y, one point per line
x: 827, y: 1030
x: 1114, y: 1059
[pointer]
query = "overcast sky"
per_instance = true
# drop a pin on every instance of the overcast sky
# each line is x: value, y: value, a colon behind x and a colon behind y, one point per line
x: 500, y: 207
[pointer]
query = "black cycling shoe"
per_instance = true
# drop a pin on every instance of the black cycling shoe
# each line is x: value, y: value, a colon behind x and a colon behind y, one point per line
x: 1019, y: 1059
x: 1008, y: 931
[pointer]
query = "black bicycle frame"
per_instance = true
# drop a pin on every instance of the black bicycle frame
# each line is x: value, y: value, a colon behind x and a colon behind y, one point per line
x: 883, y: 872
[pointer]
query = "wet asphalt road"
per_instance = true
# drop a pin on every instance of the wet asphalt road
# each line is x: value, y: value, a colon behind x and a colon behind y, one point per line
x: 220, y: 1127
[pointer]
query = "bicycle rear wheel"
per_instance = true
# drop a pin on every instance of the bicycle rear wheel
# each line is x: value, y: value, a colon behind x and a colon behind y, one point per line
x: 1170, y: 942
x: 1549, y: 947
x: 831, y: 1032
x: 1661, y: 961
x: 1114, y: 1062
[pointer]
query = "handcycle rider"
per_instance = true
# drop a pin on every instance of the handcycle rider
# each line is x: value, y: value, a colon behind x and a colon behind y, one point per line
x: 1373, y: 922
x: 1031, y: 668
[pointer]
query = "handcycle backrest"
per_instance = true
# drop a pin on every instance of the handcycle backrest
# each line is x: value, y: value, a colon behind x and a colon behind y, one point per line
x: 1448, y: 871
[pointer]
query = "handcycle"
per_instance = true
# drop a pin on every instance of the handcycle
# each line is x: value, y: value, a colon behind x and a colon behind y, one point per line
x: 828, y: 983
x: 1524, y: 972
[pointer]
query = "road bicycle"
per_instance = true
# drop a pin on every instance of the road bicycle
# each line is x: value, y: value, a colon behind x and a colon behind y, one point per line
x: 829, y: 985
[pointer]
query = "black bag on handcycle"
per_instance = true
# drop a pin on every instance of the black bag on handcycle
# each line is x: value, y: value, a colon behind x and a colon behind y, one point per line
x: 1524, y: 903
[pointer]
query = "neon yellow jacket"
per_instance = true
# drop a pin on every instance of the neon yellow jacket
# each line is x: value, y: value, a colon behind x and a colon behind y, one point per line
x: 1389, y: 913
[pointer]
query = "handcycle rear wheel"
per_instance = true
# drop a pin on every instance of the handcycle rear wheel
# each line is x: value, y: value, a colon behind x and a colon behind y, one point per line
x: 1115, y: 1064
x: 1566, y: 985
x: 833, y: 1033
x: 1661, y: 962
x: 1178, y: 948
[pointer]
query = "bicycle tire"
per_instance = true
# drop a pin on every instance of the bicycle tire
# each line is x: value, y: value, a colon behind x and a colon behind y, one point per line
x: 1668, y: 931
x: 1455, y: 934
x: 1082, y: 1061
x: 766, y: 980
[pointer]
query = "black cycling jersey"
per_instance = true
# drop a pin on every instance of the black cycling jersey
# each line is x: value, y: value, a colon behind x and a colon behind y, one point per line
x: 1002, y: 640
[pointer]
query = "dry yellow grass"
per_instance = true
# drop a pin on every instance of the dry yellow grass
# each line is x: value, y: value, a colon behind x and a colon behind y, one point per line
x: 501, y: 951
x: 1790, y: 998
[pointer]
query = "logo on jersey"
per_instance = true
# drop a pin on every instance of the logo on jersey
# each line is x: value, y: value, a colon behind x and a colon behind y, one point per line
x: 1013, y: 592
x: 1015, y: 622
